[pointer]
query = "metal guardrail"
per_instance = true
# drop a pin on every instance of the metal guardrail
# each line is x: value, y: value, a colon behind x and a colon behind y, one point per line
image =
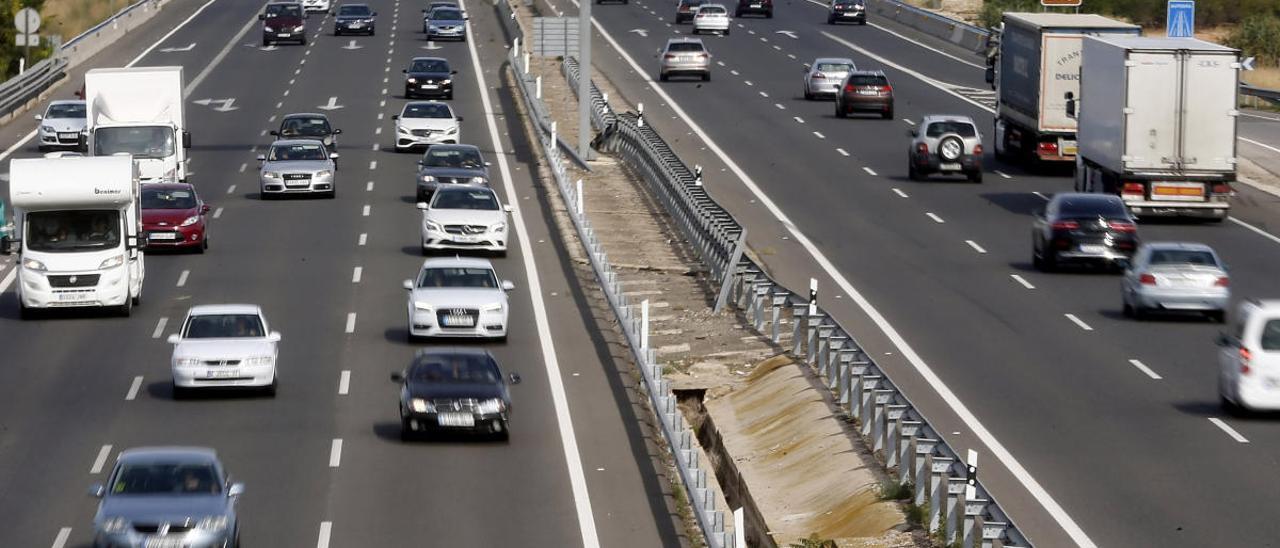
x: 1271, y: 95
x: 888, y: 421
x: 16, y: 91
x: 674, y: 427
x: 126, y: 12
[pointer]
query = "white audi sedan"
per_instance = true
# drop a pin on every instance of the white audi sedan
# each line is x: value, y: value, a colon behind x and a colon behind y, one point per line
x: 224, y: 346
x: 422, y: 123
x: 711, y: 18
x: 457, y: 297
x: 464, y: 217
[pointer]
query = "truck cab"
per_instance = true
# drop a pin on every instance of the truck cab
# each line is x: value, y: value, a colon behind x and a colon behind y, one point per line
x: 139, y: 112
x: 76, y: 227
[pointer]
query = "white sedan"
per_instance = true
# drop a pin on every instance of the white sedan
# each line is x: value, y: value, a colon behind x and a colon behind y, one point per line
x: 711, y: 18
x: 422, y: 123
x: 457, y: 297
x: 224, y: 346
x: 464, y: 217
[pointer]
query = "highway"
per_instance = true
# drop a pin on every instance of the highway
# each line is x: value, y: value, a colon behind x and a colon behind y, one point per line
x: 323, y: 462
x: 1092, y: 429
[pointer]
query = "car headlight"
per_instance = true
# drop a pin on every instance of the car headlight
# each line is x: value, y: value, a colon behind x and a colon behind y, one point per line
x: 190, y: 220
x: 491, y: 406
x: 270, y: 175
x: 433, y: 226
x: 186, y: 362
x: 259, y: 360
x: 324, y: 174
x: 114, y: 525
x: 369, y: 20
x: 32, y: 264
x: 112, y: 262
x: 495, y: 307
x: 420, y: 405
x: 428, y: 179
x: 452, y: 130
x: 479, y: 181
x: 212, y: 523
x: 446, y: 81
x: 500, y: 227
x: 46, y: 129
x: 413, y: 80
x: 268, y: 29
x: 419, y: 305
x: 402, y: 129
x: 299, y: 28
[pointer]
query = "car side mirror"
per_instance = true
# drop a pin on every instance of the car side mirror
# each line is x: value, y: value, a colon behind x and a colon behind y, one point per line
x: 375, y: 14
x: 507, y: 208
x: 262, y: 157
x: 186, y: 139
x: 97, y: 490
x: 235, y: 490
x: 274, y: 133
x: 404, y: 71
x: 1124, y: 263
x: 1223, y: 340
x: 422, y: 206
x: 10, y: 246
x: 453, y: 72
x: 337, y: 132
x: 334, y: 155
x: 408, y: 284
x: 204, y: 208
x: 397, y: 377
x: 395, y: 116
x: 458, y: 118
x: 1071, y: 104
x: 507, y: 285
x: 262, y: 17
x: 174, y: 338
x: 487, y: 164
x: 273, y: 336
x: 514, y: 378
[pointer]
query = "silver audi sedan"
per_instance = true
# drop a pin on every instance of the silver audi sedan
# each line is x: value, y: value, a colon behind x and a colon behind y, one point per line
x: 824, y: 76
x: 297, y: 166
x: 1176, y: 276
x: 167, y: 496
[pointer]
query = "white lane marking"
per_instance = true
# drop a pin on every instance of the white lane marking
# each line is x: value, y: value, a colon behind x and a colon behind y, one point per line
x: 384, y: 91
x: 297, y: 71
x: 935, y: 217
x: 777, y: 47
x: 351, y: 322
x: 763, y: 39
x: 1042, y: 196
x: 1255, y: 230
x: 763, y: 94
x: 1003, y: 174
x: 975, y: 246
x: 377, y: 130
x: 564, y: 421
x: 243, y: 167
x: 1143, y: 368
x: 819, y: 135
x: 133, y: 389
x: 279, y: 104
x: 60, y: 540
x: 870, y: 171
x: 335, y: 453
x: 326, y: 529
x: 1229, y: 430
x: 780, y: 107
x: 791, y: 55
x: 998, y: 450
x: 917, y: 75
x: 798, y: 119
x: 100, y: 460
x: 1022, y: 281
x: 159, y: 330
x: 261, y: 133
x: 344, y: 382
x: 217, y: 213
x: 382, y: 104
x: 1260, y: 117
x: 748, y: 82
x: 271, y: 119
x: 379, y: 115
x: 375, y: 146
x: 373, y: 164
x: 231, y: 189
x: 908, y: 121
x: 1263, y: 145
x: 285, y: 94
x: 365, y: 212
x: 899, y: 192
x: 292, y: 80
x: 368, y: 187
x: 356, y: 273
x: 182, y: 278
x: 843, y: 152
x: 363, y: 239
x: 1078, y: 322
x: 733, y: 72
x: 721, y: 63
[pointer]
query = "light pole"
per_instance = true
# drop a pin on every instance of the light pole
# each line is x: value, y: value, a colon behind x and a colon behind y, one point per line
x: 584, y: 79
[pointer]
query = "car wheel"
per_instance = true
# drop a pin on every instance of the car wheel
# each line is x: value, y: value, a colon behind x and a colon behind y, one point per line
x: 726, y: 31
x: 180, y: 393
x: 888, y: 115
x: 126, y: 309
x: 706, y: 76
x: 694, y: 31
x: 331, y: 194
x: 831, y: 20
x: 271, y: 389
x: 42, y: 148
x: 769, y: 15
x: 737, y: 14
x: 1230, y: 407
x: 975, y: 176
x: 266, y: 43
x: 662, y: 77
x: 449, y: 96
x: 406, y: 434
x: 25, y: 312
x: 807, y: 96
x: 303, y: 40
x: 840, y: 113
x: 1218, y: 316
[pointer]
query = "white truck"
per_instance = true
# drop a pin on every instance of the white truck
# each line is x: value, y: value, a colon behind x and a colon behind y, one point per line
x: 139, y: 111
x: 1158, y: 124
x: 76, y: 232
x: 1038, y: 57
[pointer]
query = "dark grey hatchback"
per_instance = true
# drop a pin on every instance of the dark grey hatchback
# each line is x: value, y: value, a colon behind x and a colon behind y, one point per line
x: 449, y: 164
x: 459, y: 390
x: 1083, y: 228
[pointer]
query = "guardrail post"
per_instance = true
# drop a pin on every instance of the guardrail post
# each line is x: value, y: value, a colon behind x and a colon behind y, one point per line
x: 819, y: 361
x: 798, y: 314
x: 831, y: 361
x: 973, y: 520
x: 581, y: 207
x: 924, y: 447
x: 939, y: 471
x: 537, y: 88
x: 907, y: 432
x: 814, y: 320
x: 955, y: 507
x: 893, y: 425
x: 779, y: 301
x: 760, y: 294
x: 867, y: 407
x: 848, y: 370
x: 879, y: 417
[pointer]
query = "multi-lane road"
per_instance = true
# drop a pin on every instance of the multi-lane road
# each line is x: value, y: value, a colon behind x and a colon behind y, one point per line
x: 1092, y: 429
x: 322, y: 461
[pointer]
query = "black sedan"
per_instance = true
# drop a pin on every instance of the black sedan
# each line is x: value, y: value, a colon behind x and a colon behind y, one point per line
x: 456, y: 390
x: 428, y: 77
x: 353, y: 19
x: 1083, y: 228
x: 308, y: 125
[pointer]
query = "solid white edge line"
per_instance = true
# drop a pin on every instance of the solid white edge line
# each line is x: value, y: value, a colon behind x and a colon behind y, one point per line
x: 159, y: 328
x: 1002, y: 174
x: 1256, y: 230
x: 344, y: 382
x: 1022, y: 281
x: 335, y: 453
x: 217, y: 59
x: 1263, y: 145
x: 61, y: 540
x: 133, y: 389
x: 351, y: 322
x: 326, y: 529
x: 870, y: 171
x: 1229, y: 430
x: 1143, y: 368
x: 100, y: 460
x: 1078, y: 322
x: 962, y: 411
x: 573, y: 460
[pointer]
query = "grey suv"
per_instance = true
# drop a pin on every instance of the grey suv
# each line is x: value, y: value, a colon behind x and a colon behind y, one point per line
x: 945, y: 144
x: 685, y: 56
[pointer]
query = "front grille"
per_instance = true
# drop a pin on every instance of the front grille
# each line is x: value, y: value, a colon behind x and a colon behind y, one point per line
x: 466, y: 229
x: 221, y: 362
x: 447, y: 180
x: 82, y: 280
x: 152, y: 528
x: 445, y: 405
x: 473, y: 313
x: 421, y: 132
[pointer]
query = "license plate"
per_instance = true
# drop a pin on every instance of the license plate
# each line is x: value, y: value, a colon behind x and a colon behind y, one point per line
x: 162, y: 236
x: 282, y: 35
x: 1177, y: 192
x: 459, y: 321
x: 68, y: 135
x: 356, y: 25
x: 868, y: 92
x: 163, y: 542
x: 429, y: 86
x: 1093, y: 248
x: 757, y: 5
x: 456, y: 420
x: 221, y: 373
x: 73, y: 297
x: 949, y: 166
x: 464, y: 239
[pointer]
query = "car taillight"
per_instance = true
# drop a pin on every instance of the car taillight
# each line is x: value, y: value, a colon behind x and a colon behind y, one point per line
x: 1245, y: 356
x: 1122, y: 226
x: 1047, y: 147
x: 1222, y: 281
x: 848, y: 88
x: 977, y: 150
x: 922, y: 148
x: 669, y: 56
x: 886, y: 89
x: 1133, y: 188
x: 1147, y: 279
x: 1221, y: 188
x: 1065, y: 225
x: 703, y: 55
x: 819, y: 76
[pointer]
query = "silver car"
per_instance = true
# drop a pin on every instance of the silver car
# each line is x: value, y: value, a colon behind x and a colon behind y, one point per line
x: 945, y: 144
x: 167, y: 496
x: 297, y: 166
x: 824, y: 76
x: 685, y: 56
x: 1175, y: 276
x: 450, y: 165
x: 457, y: 297
x: 61, y: 125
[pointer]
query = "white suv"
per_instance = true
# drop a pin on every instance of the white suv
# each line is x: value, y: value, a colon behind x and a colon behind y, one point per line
x: 1249, y: 358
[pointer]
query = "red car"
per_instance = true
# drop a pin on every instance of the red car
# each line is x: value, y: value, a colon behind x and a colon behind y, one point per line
x: 173, y: 217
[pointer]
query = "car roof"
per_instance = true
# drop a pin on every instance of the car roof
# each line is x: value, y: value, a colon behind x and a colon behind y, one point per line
x: 208, y: 309
x: 452, y: 350
x: 1086, y: 197
x: 287, y: 142
x: 1179, y: 246
x: 168, y: 453
x: 866, y: 73
x: 451, y: 146
x: 684, y: 40
x: 66, y: 102
x: 946, y: 118
x: 169, y: 186
x: 457, y: 261
x: 468, y: 187
x: 426, y: 58
x: 305, y: 115
x: 407, y: 105
x: 844, y: 60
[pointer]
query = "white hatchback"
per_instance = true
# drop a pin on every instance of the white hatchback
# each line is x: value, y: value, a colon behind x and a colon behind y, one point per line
x: 1249, y: 358
x: 227, y: 346
x: 711, y: 18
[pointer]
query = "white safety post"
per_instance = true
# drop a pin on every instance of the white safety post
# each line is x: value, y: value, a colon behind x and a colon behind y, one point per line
x: 515, y: 46
x: 579, y: 200
x: 644, y: 325
x: 537, y: 87
x: 526, y: 62
x: 553, y: 135
x: 740, y: 528
x: 813, y: 296
x: 971, y: 475
x: 639, y: 114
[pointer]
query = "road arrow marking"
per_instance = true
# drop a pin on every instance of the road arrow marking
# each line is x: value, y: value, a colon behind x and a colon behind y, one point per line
x: 642, y: 32
x: 224, y: 105
x: 333, y: 104
x: 188, y: 47
x: 789, y: 33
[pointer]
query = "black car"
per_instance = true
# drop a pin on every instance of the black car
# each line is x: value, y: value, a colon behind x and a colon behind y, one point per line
x: 308, y: 125
x: 685, y: 9
x: 754, y: 7
x: 450, y: 164
x: 428, y: 77
x: 847, y: 11
x: 353, y: 19
x: 454, y: 390
x: 283, y: 22
x: 1083, y: 228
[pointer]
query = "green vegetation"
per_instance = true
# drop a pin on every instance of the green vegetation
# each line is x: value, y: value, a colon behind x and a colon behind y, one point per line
x: 813, y: 541
x: 9, y: 52
x: 1259, y: 36
x: 893, y: 490
x: 1209, y: 13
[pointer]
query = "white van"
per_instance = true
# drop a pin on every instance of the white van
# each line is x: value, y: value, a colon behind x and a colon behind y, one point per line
x: 1249, y: 358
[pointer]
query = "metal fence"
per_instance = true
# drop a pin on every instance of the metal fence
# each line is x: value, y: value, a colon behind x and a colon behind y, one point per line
x: 17, y: 91
x: 890, y: 424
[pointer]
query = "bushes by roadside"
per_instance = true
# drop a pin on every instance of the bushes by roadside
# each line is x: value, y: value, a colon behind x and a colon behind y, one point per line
x: 1259, y: 36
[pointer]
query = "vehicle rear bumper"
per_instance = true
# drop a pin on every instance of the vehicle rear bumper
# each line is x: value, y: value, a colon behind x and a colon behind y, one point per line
x: 1205, y: 210
x: 932, y: 164
x: 1183, y: 299
x: 1255, y: 396
x: 858, y: 103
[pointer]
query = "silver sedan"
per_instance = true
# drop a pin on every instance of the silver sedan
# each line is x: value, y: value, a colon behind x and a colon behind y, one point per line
x: 824, y: 76
x: 1175, y: 276
x: 297, y: 166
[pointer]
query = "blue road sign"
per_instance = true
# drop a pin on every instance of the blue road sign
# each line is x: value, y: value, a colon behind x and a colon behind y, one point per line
x: 1181, y: 22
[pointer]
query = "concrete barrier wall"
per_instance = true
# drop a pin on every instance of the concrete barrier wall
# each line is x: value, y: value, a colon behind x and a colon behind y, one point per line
x: 957, y: 32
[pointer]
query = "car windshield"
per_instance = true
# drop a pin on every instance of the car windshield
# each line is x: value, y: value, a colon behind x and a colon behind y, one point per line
x: 847, y: 3
x: 868, y: 80
x: 446, y: 14
x: 466, y: 158
x: 455, y: 368
x: 224, y: 326
x: 713, y: 10
x: 427, y: 110
x: 684, y: 47
x: 284, y: 10
x: 429, y: 65
x: 468, y: 277
x: 166, y: 478
x: 292, y: 153
x: 465, y: 199
x: 1093, y: 207
x: 963, y: 129
x: 67, y: 110
x: 140, y: 141
x: 355, y: 10
x: 691, y: 3
x: 305, y: 127
x: 168, y: 198
x: 73, y: 230
x: 834, y: 67
x: 1182, y: 257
